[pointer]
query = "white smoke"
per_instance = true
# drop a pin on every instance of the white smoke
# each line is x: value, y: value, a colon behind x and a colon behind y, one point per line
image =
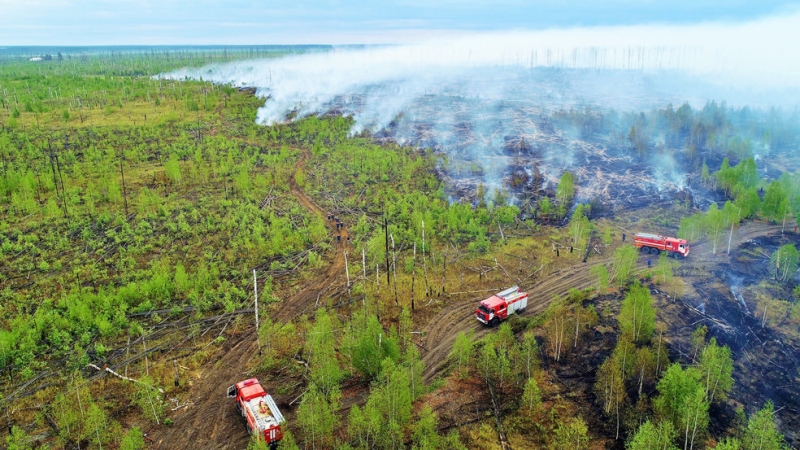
x: 759, y: 55
x: 467, y: 95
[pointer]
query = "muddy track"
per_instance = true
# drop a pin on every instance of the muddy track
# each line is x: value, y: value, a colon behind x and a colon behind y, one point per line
x: 702, y: 251
x: 441, y: 331
x: 210, y: 421
x: 333, y: 278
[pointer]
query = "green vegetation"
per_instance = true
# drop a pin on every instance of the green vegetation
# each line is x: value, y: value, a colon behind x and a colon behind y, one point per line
x: 784, y: 262
x: 135, y: 209
x: 121, y: 204
x: 127, y: 199
x: 637, y: 316
x: 680, y: 411
x: 91, y: 241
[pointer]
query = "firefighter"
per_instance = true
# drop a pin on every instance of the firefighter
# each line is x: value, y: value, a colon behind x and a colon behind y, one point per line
x: 649, y: 262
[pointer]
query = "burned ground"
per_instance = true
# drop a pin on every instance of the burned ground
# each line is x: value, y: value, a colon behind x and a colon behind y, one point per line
x: 766, y: 360
x: 618, y: 184
x: 722, y: 297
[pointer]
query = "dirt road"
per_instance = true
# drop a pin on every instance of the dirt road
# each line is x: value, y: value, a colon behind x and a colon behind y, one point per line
x: 210, y: 422
x: 441, y: 331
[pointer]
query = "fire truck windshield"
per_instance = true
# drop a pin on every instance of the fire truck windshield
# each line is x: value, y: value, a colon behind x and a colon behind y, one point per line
x: 484, y: 309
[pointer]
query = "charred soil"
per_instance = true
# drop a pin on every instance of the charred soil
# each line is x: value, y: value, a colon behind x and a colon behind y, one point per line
x: 761, y: 354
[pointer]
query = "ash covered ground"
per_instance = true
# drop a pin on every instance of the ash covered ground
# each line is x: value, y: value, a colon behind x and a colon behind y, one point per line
x: 632, y: 139
x: 728, y: 295
x: 523, y: 130
x: 515, y: 123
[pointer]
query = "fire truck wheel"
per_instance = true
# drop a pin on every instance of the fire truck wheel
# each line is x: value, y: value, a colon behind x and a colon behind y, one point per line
x: 494, y: 322
x: 654, y: 250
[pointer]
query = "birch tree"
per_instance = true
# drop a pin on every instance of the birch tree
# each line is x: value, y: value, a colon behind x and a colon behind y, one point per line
x: 732, y: 215
x: 531, y: 398
x: 749, y: 202
x: 637, y: 315
x: 148, y: 398
x: 610, y: 389
x: 776, y: 202
x: 571, y: 434
x: 762, y: 432
x: 698, y: 341
x: 133, y: 440
x: 682, y: 401
x: 579, y: 226
x: 691, y: 227
x: 645, y: 366
x: 325, y: 372
x: 425, y: 435
x: 695, y: 417
x: 600, y: 272
x: 566, y: 188
x: 529, y: 353
x: 622, y: 264
x: 316, y: 416
x: 558, y: 327
x: 716, y: 366
x: 653, y: 437
x: 414, y: 367
x: 784, y: 262
x: 463, y: 348
x: 715, y: 222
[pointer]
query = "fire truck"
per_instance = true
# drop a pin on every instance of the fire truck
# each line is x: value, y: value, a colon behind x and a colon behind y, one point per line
x: 498, y: 307
x: 259, y: 410
x: 654, y: 243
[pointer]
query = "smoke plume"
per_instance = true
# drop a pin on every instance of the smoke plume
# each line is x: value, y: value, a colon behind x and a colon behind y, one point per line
x: 481, y: 98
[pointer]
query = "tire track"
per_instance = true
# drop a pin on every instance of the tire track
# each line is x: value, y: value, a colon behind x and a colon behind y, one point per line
x: 211, y: 422
x: 442, y: 330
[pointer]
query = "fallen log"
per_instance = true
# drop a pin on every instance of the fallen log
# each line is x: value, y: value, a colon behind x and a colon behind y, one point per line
x: 123, y: 377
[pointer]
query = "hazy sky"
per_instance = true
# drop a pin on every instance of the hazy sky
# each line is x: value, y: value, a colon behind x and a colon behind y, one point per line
x: 121, y: 22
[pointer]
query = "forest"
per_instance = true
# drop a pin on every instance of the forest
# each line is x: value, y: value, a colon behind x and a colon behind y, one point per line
x: 137, y: 210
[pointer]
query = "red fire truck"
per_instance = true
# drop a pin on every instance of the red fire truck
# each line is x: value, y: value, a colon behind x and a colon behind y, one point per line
x: 654, y: 243
x: 259, y: 410
x: 497, y: 307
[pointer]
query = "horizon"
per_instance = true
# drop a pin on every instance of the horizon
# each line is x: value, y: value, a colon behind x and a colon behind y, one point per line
x: 332, y: 22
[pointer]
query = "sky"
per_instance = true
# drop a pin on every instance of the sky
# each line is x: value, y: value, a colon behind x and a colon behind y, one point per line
x: 239, y: 22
